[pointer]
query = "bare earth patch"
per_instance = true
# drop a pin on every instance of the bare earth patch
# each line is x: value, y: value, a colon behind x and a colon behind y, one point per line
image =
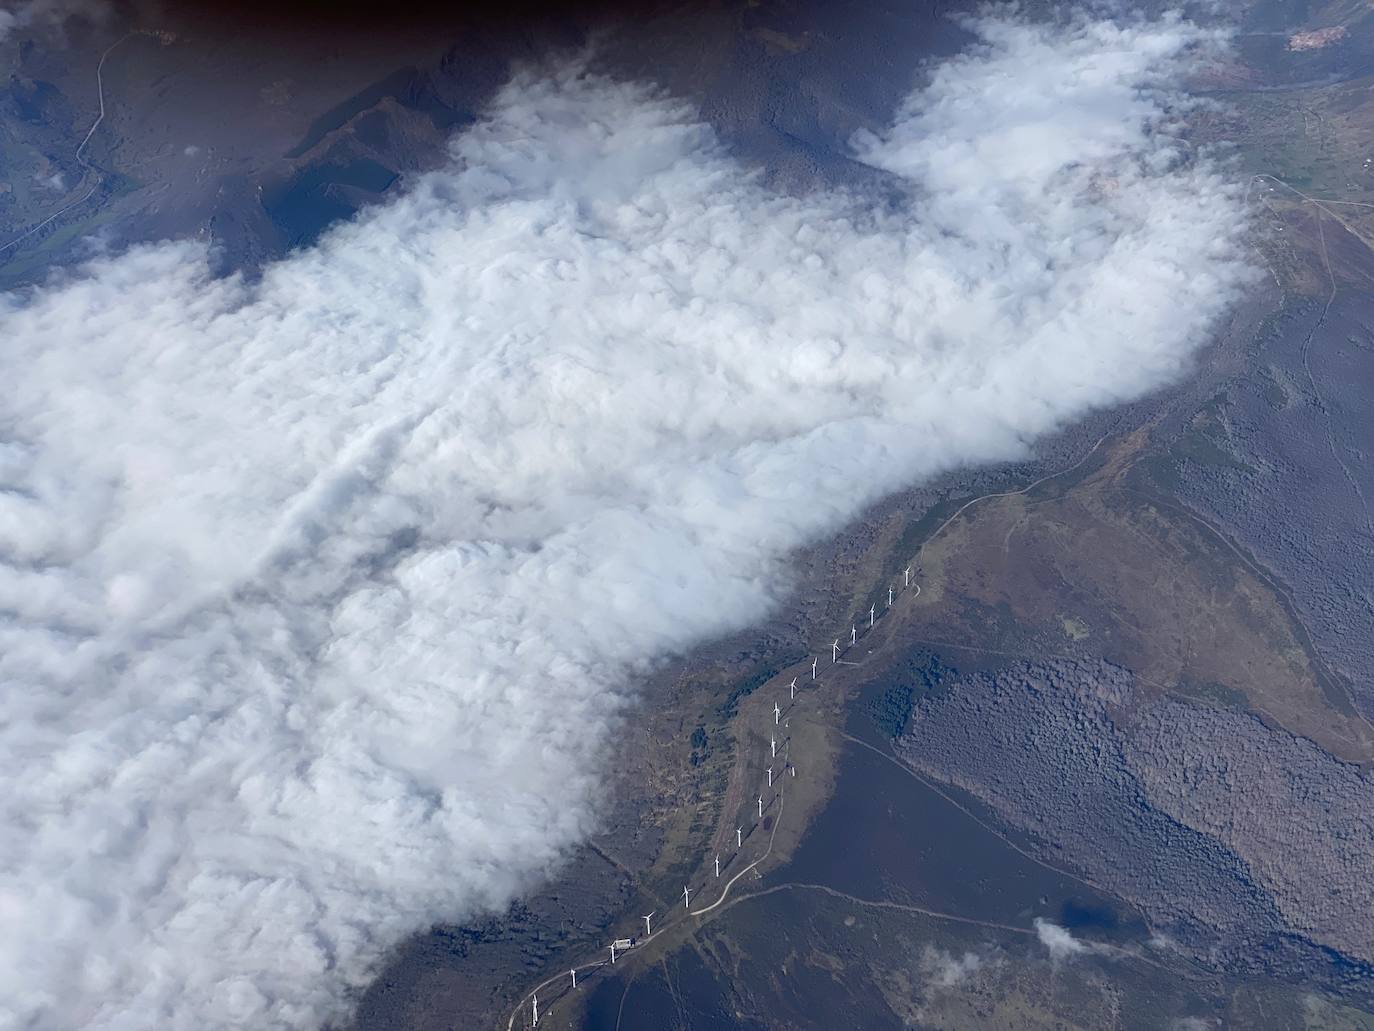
x: 1315, y: 39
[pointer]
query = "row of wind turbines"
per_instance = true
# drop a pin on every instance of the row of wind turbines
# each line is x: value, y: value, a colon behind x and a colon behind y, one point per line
x: 620, y: 945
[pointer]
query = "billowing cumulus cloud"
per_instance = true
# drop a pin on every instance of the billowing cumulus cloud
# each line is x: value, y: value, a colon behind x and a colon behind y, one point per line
x: 322, y: 593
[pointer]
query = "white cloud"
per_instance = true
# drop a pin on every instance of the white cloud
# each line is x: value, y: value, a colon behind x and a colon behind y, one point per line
x: 943, y: 969
x: 322, y: 594
x: 1058, y: 940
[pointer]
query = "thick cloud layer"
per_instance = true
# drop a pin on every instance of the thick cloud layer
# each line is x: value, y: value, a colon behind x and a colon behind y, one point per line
x: 321, y: 594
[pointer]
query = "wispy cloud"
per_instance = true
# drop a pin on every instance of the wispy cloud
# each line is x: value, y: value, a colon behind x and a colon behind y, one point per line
x: 322, y: 593
x: 1058, y: 940
x: 23, y: 14
x: 942, y: 969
